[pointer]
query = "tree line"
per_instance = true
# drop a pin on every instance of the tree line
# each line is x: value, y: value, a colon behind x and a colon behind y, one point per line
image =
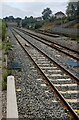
x: 72, y: 10
x: 72, y: 13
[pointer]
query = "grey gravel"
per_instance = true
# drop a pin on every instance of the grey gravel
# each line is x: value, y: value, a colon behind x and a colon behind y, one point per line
x: 33, y: 102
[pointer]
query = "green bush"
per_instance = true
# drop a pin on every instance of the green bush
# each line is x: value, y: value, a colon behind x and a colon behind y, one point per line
x: 7, y: 73
x: 5, y: 76
x: 38, y: 25
x: 3, y: 30
x: 4, y: 85
x: 7, y: 46
x: 4, y: 82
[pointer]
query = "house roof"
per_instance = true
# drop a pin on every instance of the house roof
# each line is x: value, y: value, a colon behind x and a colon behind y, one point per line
x: 59, y: 13
x: 38, y: 17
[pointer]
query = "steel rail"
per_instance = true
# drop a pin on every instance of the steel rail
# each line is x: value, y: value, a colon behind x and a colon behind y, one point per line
x: 66, y: 104
x: 55, y: 47
x: 47, y: 33
x: 60, y: 66
x: 50, y: 41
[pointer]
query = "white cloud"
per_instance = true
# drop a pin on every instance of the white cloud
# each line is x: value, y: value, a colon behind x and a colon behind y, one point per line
x: 73, y: 0
x: 31, y: 8
x: 0, y: 10
x: 9, y: 11
x: 46, y: 1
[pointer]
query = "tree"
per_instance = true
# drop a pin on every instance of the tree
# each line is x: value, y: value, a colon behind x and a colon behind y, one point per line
x: 77, y: 9
x: 18, y: 21
x: 11, y: 18
x: 28, y: 21
x: 52, y: 18
x: 25, y: 18
x: 46, y: 13
x: 6, y: 19
x: 72, y: 10
x: 38, y: 25
x: 4, y: 26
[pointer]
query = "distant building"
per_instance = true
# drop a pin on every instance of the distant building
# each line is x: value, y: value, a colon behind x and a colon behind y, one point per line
x: 39, y: 18
x: 59, y: 15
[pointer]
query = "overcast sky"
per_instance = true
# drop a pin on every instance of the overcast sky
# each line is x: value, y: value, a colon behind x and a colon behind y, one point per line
x: 22, y: 8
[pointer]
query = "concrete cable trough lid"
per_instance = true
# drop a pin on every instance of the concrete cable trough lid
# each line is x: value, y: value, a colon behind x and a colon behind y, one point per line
x: 12, y: 111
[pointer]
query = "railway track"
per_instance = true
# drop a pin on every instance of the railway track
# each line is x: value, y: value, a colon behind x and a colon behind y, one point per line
x: 55, y: 35
x: 48, y: 40
x: 74, y: 56
x: 63, y: 57
x: 47, y: 33
x: 71, y: 53
x: 64, y: 84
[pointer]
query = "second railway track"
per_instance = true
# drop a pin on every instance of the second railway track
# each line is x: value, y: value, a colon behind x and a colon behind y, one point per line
x: 60, y: 58
x: 64, y: 85
x: 62, y: 47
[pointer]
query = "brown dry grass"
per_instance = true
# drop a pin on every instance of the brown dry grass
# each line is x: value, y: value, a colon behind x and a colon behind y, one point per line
x: 48, y: 26
x: 76, y: 25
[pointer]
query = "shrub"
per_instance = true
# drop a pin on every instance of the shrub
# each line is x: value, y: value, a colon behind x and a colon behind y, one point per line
x: 4, y: 82
x: 4, y: 85
x: 3, y: 30
x: 38, y: 25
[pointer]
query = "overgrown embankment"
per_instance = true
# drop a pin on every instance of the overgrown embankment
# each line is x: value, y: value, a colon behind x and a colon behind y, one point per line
x: 6, y: 47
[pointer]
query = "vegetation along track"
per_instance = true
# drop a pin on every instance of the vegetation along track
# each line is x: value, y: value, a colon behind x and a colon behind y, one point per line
x: 63, y: 83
